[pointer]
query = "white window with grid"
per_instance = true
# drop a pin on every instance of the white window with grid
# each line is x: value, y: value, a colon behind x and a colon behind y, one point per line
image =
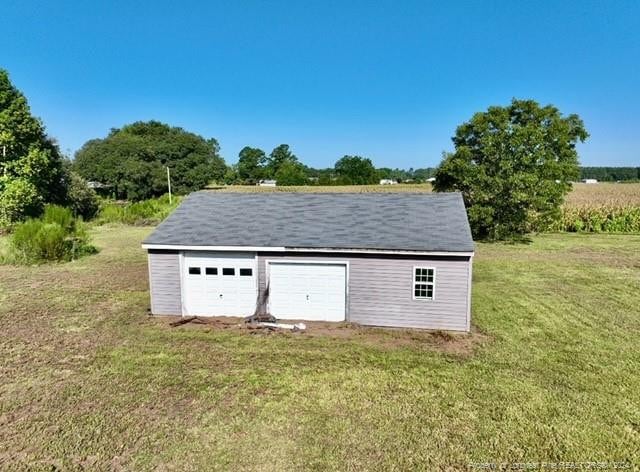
x: 424, y: 283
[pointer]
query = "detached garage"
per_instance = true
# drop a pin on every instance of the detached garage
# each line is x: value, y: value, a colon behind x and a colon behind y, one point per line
x: 400, y: 260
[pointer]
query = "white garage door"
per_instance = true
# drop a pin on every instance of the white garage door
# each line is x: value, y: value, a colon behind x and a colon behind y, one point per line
x: 307, y: 291
x: 219, y: 284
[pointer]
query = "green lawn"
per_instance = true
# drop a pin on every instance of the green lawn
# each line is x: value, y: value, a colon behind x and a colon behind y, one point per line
x: 551, y: 372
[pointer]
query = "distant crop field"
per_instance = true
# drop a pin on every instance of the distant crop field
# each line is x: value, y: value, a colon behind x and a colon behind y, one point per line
x: 602, y: 207
x: 604, y: 194
x: 601, y: 194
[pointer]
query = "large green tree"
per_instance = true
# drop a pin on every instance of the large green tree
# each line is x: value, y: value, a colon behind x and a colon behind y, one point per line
x: 513, y: 165
x: 31, y: 168
x: 291, y: 173
x: 133, y: 160
x: 279, y: 156
x: 251, y: 165
x: 356, y: 170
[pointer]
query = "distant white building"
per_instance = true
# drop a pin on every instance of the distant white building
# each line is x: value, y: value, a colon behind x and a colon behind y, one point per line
x: 431, y: 179
x: 589, y: 181
x: 388, y: 182
x: 95, y: 185
x: 267, y: 183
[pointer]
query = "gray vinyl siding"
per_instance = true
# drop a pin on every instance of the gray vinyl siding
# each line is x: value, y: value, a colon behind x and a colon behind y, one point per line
x: 380, y: 289
x: 164, y: 283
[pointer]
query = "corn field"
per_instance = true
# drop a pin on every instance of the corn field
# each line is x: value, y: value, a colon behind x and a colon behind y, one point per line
x: 604, y: 194
x: 598, y: 219
x: 601, y: 208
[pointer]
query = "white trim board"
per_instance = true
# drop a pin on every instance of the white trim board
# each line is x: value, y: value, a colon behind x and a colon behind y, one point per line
x: 469, y: 281
x: 180, y: 247
x: 380, y: 251
x: 303, y: 249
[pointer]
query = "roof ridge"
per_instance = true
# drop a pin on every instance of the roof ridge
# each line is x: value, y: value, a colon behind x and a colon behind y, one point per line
x: 271, y: 193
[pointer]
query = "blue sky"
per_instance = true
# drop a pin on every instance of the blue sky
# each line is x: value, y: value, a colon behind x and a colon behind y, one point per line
x: 389, y: 80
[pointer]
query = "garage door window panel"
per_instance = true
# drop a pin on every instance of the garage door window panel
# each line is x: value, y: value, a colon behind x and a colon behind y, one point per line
x: 194, y: 270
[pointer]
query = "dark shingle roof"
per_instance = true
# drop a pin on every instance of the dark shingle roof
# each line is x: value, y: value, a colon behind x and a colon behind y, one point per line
x: 386, y: 221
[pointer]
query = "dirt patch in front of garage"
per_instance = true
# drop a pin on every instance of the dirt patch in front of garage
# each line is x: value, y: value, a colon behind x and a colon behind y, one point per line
x: 457, y: 344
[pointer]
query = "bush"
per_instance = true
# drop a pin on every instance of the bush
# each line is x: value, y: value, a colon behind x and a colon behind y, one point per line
x: 57, y: 236
x: 291, y: 173
x: 83, y: 200
x: 146, y: 212
x: 35, y: 240
x: 61, y: 216
x: 19, y: 199
x: 111, y: 213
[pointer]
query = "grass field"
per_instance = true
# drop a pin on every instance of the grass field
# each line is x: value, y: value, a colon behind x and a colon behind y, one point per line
x: 550, y: 373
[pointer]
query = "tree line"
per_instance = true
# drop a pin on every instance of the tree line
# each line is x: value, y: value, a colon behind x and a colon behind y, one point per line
x: 611, y: 174
x: 131, y: 162
x: 513, y: 165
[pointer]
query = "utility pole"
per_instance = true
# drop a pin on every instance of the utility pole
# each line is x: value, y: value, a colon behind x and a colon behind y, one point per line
x: 169, y: 184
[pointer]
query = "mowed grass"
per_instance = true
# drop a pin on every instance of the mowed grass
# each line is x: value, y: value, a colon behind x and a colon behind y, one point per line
x: 550, y: 373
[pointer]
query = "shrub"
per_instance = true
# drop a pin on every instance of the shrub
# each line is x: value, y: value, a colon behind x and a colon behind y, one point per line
x: 56, y: 214
x: 111, y: 213
x: 83, y: 200
x: 19, y: 199
x: 57, y: 236
x: 145, y: 212
x: 52, y: 242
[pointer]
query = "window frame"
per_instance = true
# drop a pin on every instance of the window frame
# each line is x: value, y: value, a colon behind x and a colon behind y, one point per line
x: 425, y: 284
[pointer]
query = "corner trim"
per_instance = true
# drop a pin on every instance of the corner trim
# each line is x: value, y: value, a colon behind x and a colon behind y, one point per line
x: 469, y: 282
